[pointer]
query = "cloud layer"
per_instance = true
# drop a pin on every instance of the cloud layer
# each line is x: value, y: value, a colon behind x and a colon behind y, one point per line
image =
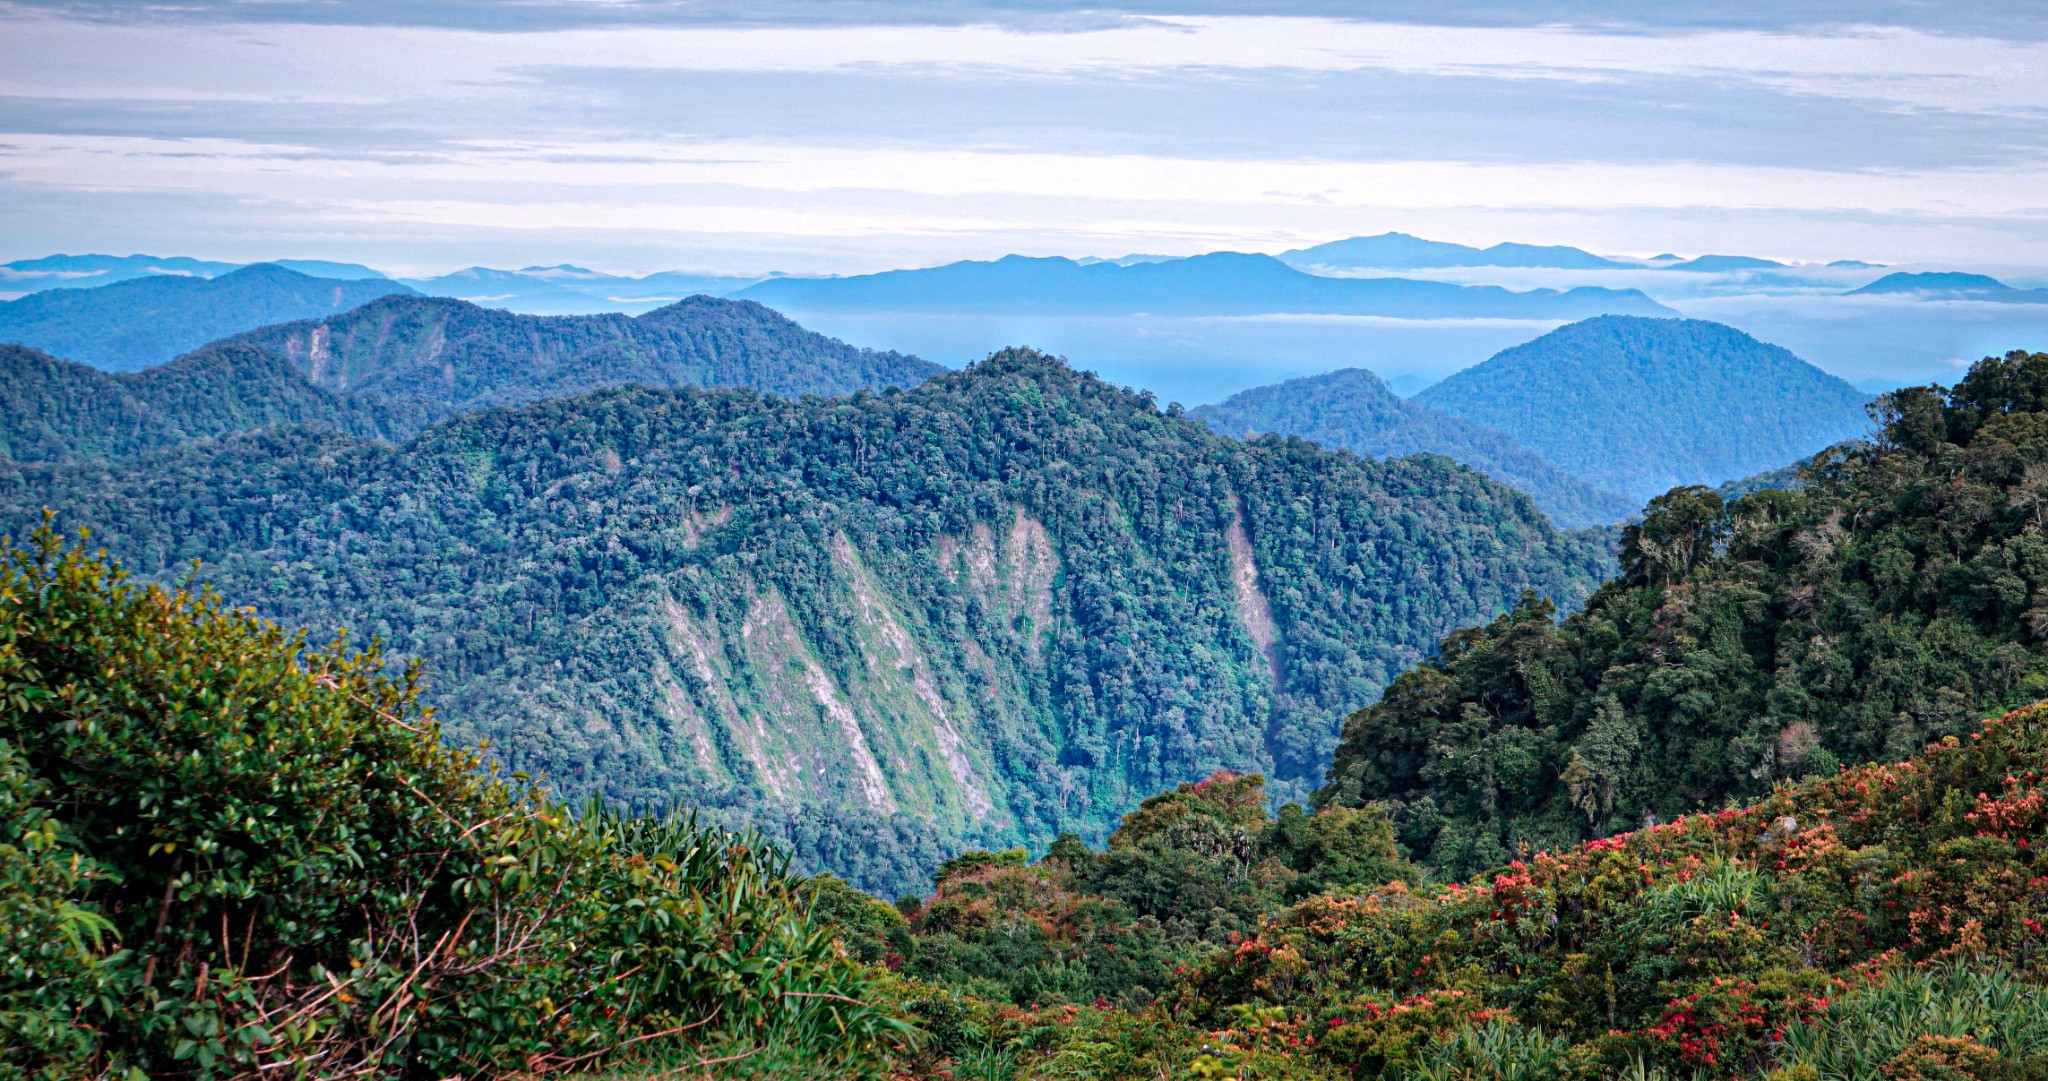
x: 638, y: 136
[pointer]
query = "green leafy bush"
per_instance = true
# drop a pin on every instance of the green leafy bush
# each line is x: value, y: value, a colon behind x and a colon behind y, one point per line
x: 1923, y: 1020
x: 1185, y: 871
x: 224, y: 853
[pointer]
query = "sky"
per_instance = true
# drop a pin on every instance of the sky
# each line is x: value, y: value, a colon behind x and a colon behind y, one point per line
x: 851, y: 136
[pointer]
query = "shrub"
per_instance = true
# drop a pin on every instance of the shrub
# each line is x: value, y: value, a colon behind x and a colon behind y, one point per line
x: 225, y: 853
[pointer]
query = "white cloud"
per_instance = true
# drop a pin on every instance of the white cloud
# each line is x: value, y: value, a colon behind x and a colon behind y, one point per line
x: 378, y: 130
x: 46, y: 57
x: 616, y: 179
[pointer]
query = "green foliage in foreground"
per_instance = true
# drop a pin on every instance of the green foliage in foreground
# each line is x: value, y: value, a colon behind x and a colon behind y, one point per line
x: 1900, y: 593
x: 1185, y: 871
x: 223, y: 853
x: 1879, y: 924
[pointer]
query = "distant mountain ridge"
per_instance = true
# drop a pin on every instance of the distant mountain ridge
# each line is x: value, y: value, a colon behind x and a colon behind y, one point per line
x: 1353, y: 409
x: 92, y: 271
x: 1639, y: 405
x: 146, y: 321
x: 1400, y: 251
x: 542, y: 290
x: 1716, y: 264
x: 1951, y: 285
x: 1221, y: 283
x: 574, y: 290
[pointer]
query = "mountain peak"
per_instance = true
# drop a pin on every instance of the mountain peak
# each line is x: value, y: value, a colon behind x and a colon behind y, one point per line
x: 1640, y: 405
x: 1354, y: 409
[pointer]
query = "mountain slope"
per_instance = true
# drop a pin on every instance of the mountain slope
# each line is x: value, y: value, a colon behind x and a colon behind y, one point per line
x: 1001, y: 605
x: 134, y: 324
x: 1222, y: 283
x: 1355, y: 410
x: 54, y: 409
x: 1896, y: 596
x: 1638, y: 406
x: 428, y: 357
x: 1399, y: 251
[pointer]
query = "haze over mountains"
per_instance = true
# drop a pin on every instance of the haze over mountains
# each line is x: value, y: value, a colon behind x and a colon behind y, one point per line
x: 417, y: 359
x: 1390, y: 251
x: 1230, y: 321
x: 1221, y: 283
x: 1951, y: 285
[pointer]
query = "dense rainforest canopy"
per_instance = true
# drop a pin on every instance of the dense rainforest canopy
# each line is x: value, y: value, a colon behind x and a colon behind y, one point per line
x: 425, y: 358
x: 1638, y: 406
x: 390, y: 367
x: 1005, y: 605
x: 145, y: 321
x: 1355, y: 410
x: 1897, y: 595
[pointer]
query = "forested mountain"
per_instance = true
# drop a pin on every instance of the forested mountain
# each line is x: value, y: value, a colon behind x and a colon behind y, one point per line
x: 1221, y: 283
x: 1005, y: 604
x: 1897, y: 596
x: 143, y: 321
x: 1355, y: 410
x: 1399, y: 251
x: 1638, y: 406
x: 52, y: 409
x: 428, y: 357
x: 398, y: 363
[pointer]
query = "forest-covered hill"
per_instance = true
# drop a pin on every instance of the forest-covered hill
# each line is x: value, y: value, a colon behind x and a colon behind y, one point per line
x: 1638, y: 406
x: 1353, y: 409
x: 1899, y: 594
x: 429, y: 357
x: 144, y: 321
x: 1008, y: 603
x: 398, y: 363
x: 52, y: 409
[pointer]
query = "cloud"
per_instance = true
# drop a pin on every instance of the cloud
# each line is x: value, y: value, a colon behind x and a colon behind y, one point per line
x: 68, y: 59
x: 983, y: 128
